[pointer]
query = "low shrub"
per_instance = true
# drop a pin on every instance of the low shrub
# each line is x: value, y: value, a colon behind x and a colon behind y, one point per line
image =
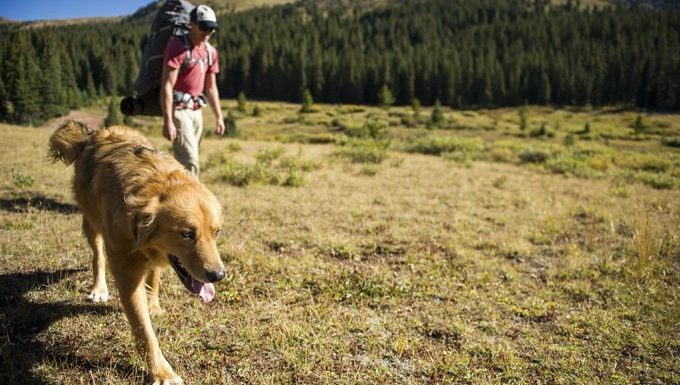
x: 442, y: 145
x: 270, y: 168
x: 569, y: 165
x: 306, y: 138
x: 371, y: 129
x: 600, y: 163
x: 658, y: 181
x: 534, y: 155
x: 671, y: 141
x: 21, y: 180
x: 362, y: 150
x: 463, y: 158
x: 645, y: 162
x: 501, y: 154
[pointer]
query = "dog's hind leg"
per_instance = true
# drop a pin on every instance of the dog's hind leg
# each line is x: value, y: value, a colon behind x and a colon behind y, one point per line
x: 153, y: 283
x: 99, y: 292
x: 130, y: 273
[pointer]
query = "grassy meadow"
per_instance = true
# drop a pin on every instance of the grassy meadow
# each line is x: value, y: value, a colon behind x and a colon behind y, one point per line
x: 376, y: 246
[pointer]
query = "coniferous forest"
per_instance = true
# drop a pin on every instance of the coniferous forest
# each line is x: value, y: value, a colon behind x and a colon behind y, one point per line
x: 464, y: 54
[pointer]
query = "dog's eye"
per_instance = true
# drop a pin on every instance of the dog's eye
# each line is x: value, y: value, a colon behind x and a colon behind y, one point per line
x: 217, y: 233
x: 188, y: 234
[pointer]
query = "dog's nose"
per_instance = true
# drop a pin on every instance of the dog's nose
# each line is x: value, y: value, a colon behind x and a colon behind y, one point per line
x: 215, y: 275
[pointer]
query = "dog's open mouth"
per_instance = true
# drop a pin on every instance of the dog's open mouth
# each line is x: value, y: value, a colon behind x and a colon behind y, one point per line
x: 204, y: 290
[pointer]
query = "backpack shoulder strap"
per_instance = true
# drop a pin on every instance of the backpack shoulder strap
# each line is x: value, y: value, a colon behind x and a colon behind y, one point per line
x: 187, y: 57
x: 210, y: 54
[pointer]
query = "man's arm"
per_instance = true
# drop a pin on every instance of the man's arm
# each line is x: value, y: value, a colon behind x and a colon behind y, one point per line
x: 214, y: 101
x: 168, y: 80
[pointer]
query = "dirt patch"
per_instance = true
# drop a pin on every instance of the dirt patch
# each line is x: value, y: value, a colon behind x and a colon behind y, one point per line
x: 91, y: 118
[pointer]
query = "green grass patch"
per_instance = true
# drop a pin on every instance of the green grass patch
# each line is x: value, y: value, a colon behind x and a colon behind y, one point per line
x: 362, y: 150
x: 271, y: 167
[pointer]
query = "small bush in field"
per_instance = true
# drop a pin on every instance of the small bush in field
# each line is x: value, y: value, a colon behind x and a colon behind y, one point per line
x: 600, y: 163
x: 307, y: 101
x: 671, y: 141
x: 523, y: 119
x: 437, y: 116
x: 541, y: 131
x: 294, y: 178
x: 502, y: 155
x: 267, y: 156
x: 639, y: 125
x: 371, y: 129
x: 441, y: 145
x: 270, y: 168
x: 415, y: 106
x: 363, y: 150
x: 242, y: 102
x: 385, y: 97
x: 534, y: 156
x: 658, y: 181
x: 369, y: 170
x: 645, y: 162
x: 569, y: 165
x: 231, y: 126
x: 463, y: 158
x: 21, y: 180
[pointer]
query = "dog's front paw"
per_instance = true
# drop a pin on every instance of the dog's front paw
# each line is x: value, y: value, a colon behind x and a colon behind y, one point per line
x: 99, y: 294
x: 176, y: 380
x: 156, y: 310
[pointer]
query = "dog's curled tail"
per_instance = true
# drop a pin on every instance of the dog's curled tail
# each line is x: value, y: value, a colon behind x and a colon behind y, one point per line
x: 68, y: 141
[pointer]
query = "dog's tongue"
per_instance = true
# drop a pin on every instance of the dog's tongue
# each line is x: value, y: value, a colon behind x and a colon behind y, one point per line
x: 204, y: 290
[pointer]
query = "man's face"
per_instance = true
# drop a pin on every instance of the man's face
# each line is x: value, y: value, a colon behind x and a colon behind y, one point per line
x: 200, y: 33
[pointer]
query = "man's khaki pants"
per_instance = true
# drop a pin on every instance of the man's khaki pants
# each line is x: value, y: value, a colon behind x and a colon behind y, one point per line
x: 189, y: 124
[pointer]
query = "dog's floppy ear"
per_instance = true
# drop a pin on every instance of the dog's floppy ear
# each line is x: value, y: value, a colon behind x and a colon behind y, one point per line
x: 144, y: 223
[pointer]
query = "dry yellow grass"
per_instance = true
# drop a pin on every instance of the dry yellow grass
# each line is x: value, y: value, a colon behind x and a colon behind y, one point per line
x: 416, y: 270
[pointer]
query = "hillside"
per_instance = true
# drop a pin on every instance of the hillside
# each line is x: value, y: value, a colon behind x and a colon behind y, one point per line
x: 222, y: 6
x: 461, y: 54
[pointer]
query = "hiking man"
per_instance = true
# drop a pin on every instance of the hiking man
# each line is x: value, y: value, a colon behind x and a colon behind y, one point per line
x: 184, y: 90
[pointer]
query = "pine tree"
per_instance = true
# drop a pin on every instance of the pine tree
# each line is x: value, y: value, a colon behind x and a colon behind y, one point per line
x: 639, y: 125
x: 113, y: 117
x: 415, y: 106
x: 24, y: 74
x: 437, y: 116
x: 307, y: 101
x: 230, y: 125
x: 523, y: 118
x: 241, y: 102
x: 385, y: 97
x: 51, y: 87
x: 90, y: 90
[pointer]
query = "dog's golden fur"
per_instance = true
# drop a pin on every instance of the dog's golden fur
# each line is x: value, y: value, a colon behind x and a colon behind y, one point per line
x: 139, y: 206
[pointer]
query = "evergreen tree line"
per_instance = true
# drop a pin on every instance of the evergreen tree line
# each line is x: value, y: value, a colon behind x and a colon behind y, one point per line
x: 464, y: 54
x: 485, y: 53
x: 45, y: 72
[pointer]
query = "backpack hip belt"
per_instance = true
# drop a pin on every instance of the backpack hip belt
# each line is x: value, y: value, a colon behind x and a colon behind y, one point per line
x: 183, y: 100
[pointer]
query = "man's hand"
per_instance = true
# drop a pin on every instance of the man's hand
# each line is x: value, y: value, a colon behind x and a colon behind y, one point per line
x: 170, y: 131
x: 219, y: 128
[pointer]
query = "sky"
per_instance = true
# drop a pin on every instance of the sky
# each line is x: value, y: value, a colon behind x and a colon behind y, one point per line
x: 24, y: 10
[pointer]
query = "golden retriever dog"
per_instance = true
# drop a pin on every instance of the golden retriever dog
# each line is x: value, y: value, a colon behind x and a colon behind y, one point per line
x: 141, y: 212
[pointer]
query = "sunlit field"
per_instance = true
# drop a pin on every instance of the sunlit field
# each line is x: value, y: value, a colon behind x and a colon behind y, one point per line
x: 376, y: 246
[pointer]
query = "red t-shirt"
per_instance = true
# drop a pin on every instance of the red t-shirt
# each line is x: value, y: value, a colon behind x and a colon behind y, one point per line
x: 192, y: 78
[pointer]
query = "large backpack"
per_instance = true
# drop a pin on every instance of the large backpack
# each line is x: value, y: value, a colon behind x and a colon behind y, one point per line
x: 172, y: 19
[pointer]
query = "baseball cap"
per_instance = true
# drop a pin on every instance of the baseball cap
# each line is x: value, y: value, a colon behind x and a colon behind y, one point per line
x: 205, y: 17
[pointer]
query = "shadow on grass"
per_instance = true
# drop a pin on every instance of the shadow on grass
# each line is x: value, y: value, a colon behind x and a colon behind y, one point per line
x: 22, y: 321
x: 39, y: 202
